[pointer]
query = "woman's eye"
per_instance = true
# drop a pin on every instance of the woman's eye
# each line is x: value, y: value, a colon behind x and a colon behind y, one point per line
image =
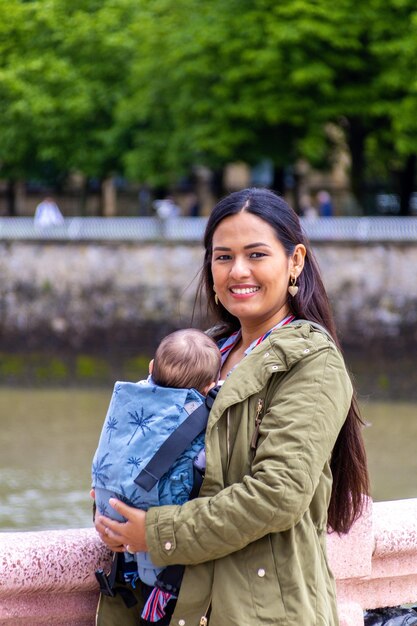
x: 223, y: 257
x: 257, y: 255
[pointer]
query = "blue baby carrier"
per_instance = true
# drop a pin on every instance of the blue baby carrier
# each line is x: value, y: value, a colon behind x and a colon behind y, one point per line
x: 149, y: 454
x: 148, y: 431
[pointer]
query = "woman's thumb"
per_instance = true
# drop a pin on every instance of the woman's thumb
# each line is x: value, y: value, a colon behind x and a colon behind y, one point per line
x: 119, y: 506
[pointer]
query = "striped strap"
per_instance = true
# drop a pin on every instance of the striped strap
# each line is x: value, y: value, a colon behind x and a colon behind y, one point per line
x: 155, y: 605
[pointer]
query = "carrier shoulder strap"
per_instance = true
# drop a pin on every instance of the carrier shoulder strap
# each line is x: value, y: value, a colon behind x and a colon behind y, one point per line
x: 176, y: 443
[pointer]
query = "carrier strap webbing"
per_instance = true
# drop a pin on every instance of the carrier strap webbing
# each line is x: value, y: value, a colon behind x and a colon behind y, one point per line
x: 176, y: 443
x: 170, y: 579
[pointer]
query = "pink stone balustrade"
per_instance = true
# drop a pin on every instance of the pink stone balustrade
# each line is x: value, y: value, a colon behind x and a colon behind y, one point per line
x: 47, y: 577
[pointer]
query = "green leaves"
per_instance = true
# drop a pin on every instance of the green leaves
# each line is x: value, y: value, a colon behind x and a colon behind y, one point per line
x: 149, y: 88
x: 60, y: 80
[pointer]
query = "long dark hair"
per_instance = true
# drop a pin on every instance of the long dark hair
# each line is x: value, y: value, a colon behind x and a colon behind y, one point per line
x: 348, y: 462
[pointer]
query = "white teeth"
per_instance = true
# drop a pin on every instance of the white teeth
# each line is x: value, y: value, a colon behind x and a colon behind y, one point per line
x: 243, y: 291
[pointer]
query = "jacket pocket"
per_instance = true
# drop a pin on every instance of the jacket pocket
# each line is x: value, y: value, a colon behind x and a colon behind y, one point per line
x: 264, y: 582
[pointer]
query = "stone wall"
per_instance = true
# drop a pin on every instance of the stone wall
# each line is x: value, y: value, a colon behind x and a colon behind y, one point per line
x: 93, y: 294
x: 372, y: 290
x: 80, y: 295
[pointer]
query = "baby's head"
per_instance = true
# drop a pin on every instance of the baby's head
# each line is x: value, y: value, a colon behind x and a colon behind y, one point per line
x: 187, y: 358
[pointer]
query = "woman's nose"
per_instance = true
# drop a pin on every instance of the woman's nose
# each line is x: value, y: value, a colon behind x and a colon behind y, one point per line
x: 240, y: 268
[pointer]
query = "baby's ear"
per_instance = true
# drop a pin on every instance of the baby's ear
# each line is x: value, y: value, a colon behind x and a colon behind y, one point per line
x: 150, y: 367
x: 207, y: 389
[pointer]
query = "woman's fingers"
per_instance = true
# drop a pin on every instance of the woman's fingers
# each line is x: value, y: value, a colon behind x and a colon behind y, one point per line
x: 130, y: 533
x: 118, y: 535
x: 112, y: 529
x: 107, y: 536
x: 122, y: 508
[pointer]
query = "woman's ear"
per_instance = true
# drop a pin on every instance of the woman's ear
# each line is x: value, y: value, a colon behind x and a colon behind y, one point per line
x: 297, y: 259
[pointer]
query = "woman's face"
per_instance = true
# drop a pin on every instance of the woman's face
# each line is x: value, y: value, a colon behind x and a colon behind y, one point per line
x: 251, y: 270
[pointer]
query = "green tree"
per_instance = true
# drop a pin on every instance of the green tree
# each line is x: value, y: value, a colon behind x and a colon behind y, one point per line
x: 62, y: 72
x: 201, y: 90
x: 148, y: 88
x: 395, y: 47
x: 221, y: 81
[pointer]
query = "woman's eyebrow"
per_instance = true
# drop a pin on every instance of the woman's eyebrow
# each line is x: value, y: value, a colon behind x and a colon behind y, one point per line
x: 247, y: 247
x: 256, y: 245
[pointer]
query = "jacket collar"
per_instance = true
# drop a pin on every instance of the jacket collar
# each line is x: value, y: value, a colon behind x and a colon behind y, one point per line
x: 276, y: 354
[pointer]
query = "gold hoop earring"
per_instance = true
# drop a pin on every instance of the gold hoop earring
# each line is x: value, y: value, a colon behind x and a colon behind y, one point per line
x: 216, y: 299
x: 293, y: 289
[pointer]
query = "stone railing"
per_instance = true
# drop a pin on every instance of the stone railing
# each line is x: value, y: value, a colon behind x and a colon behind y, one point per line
x: 183, y: 229
x: 48, y: 577
x: 375, y: 565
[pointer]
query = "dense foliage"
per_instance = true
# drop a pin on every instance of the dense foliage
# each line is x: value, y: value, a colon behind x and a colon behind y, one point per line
x: 147, y: 88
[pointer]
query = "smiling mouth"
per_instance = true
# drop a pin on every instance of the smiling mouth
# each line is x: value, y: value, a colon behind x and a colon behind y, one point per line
x: 244, y: 291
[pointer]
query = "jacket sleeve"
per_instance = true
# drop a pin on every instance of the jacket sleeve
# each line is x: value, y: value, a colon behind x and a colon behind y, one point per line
x: 304, y: 414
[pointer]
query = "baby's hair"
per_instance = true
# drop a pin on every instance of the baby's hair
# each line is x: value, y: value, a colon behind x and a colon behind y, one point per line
x: 186, y: 358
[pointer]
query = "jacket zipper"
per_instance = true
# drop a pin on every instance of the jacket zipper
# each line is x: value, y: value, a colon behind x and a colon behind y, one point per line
x: 204, y: 619
x: 258, y: 420
x: 228, y: 436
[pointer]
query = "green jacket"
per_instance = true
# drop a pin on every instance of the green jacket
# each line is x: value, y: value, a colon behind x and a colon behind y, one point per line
x: 254, y: 542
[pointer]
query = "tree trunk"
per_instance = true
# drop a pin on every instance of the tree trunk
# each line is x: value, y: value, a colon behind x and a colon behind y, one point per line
x: 11, y: 198
x: 406, y: 180
x: 109, y: 197
x: 83, y: 197
x: 278, y: 183
x: 216, y: 183
x: 20, y: 197
x: 356, y: 141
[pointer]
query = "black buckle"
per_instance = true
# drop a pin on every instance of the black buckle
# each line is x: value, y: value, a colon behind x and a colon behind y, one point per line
x: 103, y: 581
x: 107, y: 582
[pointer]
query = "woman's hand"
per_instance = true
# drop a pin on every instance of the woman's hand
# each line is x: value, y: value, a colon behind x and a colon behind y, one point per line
x: 115, y: 546
x: 126, y: 536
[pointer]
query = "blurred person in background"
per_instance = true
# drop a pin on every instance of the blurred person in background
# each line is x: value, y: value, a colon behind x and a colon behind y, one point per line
x: 325, y: 204
x: 47, y: 213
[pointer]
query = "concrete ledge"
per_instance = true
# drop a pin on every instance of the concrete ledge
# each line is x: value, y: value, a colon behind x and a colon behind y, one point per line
x: 392, y: 579
x: 48, y: 577
x: 350, y: 614
x: 350, y: 556
x: 375, y: 565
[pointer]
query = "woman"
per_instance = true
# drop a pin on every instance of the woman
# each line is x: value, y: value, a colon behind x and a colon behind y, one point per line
x: 285, y: 457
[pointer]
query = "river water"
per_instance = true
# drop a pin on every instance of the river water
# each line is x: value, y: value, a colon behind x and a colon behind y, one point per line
x: 48, y: 437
